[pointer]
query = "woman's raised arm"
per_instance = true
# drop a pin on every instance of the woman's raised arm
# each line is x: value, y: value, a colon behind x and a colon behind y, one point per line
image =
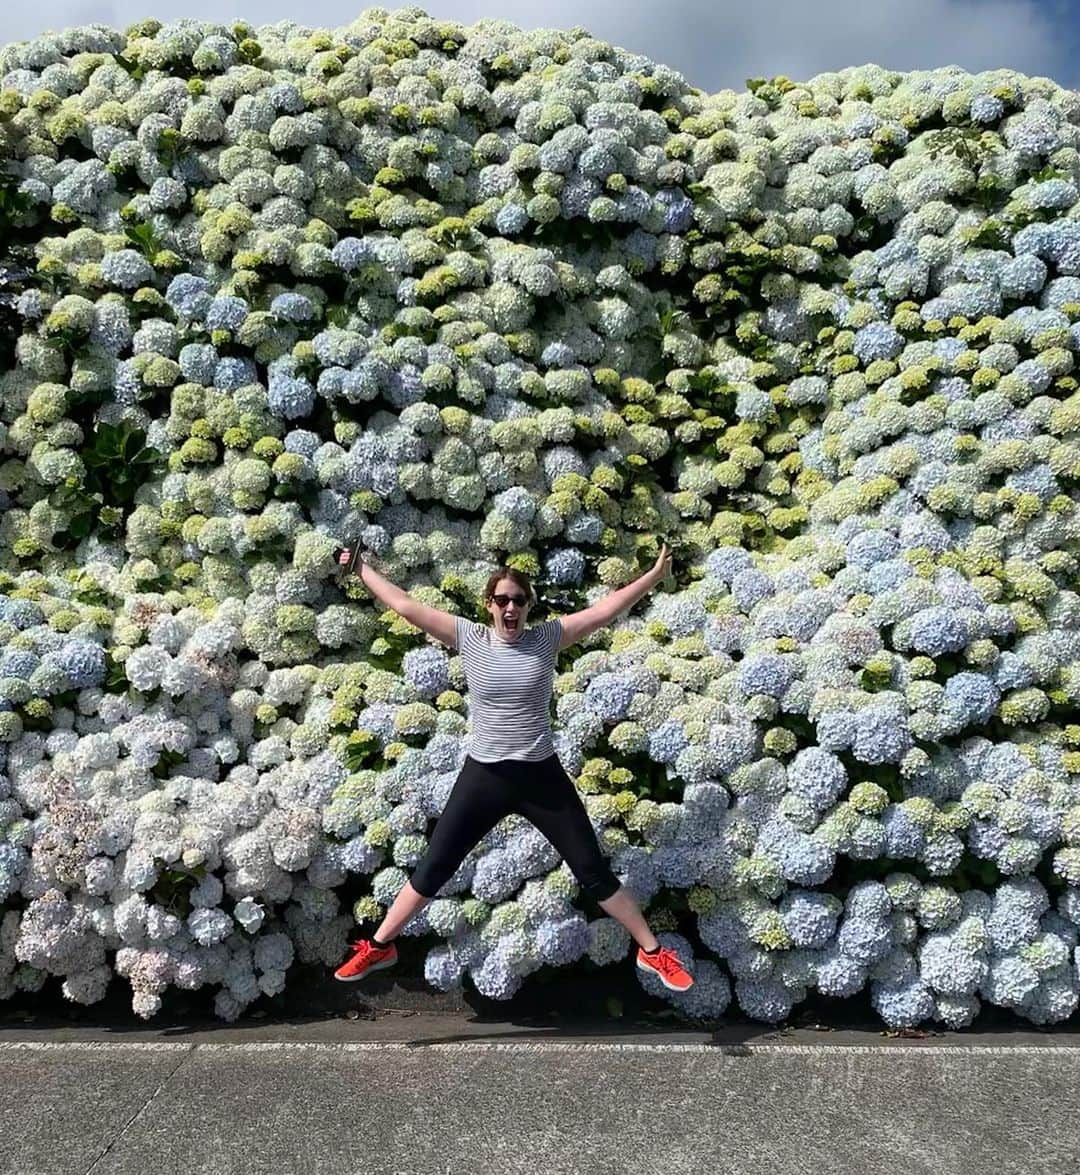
x: 579, y: 625
x: 441, y: 625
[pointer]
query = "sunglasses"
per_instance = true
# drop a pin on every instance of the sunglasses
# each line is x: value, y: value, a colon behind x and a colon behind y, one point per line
x: 502, y: 600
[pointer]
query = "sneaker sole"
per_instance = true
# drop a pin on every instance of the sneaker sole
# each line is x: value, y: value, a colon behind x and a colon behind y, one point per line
x: 367, y: 971
x: 653, y: 971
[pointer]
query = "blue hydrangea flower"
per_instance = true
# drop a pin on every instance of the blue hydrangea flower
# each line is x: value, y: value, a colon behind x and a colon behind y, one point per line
x: 666, y: 741
x: 986, y: 109
x: 750, y: 587
x: 18, y: 663
x: 810, y: 918
x: 725, y: 562
x: 234, y: 372
x: 558, y: 354
x: 881, y: 735
x: 877, y: 340
x: 127, y: 387
x: 198, y: 362
x: 610, y: 695
x: 938, y: 630
x: 126, y: 268
x: 678, y: 209
x: 83, y: 661
x: 290, y: 396
x: 818, y: 776
x: 511, y: 219
x: 226, y: 312
x: 286, y: 97
x: 1011, y: 671
x: 585, y: 527
x: 303, y: 441
x: 293, y: 307
x: 766, y: 673
x: 564, y: 565
x: 189, y: 295
x: 353, y: 252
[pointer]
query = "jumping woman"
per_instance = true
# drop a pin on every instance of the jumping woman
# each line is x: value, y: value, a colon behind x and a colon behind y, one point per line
x: 511, y: 765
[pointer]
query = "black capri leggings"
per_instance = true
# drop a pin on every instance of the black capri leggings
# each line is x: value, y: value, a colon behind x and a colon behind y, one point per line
x: 540, y: 791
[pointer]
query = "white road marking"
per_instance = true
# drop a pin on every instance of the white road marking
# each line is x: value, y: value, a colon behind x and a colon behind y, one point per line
x: 544, y: 1046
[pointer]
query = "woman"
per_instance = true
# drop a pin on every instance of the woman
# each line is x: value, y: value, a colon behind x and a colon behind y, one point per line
x: 511, y: 765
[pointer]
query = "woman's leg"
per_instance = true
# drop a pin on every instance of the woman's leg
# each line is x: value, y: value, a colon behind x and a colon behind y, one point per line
x: 401, y: 910
x: 550, y: 800
x: 622, y: 907
x: 477, y: 802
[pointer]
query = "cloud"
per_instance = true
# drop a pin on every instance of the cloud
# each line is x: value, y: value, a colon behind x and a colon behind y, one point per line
x: 714, y: 43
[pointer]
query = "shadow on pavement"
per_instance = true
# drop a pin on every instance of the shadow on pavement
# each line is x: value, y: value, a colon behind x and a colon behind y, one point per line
x: 592, y: 1003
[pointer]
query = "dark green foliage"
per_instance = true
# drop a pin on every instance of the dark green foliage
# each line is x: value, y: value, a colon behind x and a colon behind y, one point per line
x: 142, y: 236
x: 172, y: 890
x: 117, y: 461
x: 16, y: 264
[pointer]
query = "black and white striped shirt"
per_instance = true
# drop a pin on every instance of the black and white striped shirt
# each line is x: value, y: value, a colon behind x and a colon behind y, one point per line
x: 510, y: 686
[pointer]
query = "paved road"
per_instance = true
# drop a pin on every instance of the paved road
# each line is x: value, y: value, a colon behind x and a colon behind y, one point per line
x: 412, y: 1094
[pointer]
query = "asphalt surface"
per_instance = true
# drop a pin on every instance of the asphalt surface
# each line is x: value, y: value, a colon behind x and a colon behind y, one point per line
x: 389, y: 1092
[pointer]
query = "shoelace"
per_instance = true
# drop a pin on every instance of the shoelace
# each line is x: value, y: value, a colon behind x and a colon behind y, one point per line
x: 665, y: 960
x: 363, y: 946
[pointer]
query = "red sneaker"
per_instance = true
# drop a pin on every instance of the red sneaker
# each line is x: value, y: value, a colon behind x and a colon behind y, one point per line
x: 365, y: 958
x: 665, y: 963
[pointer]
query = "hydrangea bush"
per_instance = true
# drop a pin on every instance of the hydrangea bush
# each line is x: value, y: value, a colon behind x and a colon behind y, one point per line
x: 473, y: 294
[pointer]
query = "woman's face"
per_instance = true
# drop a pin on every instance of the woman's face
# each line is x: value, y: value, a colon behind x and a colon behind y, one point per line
x: 509, y: 618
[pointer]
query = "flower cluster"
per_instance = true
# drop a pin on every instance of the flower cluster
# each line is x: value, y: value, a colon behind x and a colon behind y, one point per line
x: 478, y: 295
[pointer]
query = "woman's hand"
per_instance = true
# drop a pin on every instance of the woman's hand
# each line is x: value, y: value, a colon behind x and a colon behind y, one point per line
x: 662, y: 566
x: 353, y: 560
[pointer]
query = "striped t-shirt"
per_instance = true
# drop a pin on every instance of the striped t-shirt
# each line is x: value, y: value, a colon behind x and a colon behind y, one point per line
x: 510, y: 686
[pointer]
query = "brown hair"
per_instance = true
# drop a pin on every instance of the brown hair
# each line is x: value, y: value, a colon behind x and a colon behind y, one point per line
x: 519, y: 577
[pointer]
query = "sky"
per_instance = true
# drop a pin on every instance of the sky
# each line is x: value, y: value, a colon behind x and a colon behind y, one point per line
x: 713, y: 43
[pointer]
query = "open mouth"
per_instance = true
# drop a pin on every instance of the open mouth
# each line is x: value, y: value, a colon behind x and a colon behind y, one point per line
x: 511, y: 622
